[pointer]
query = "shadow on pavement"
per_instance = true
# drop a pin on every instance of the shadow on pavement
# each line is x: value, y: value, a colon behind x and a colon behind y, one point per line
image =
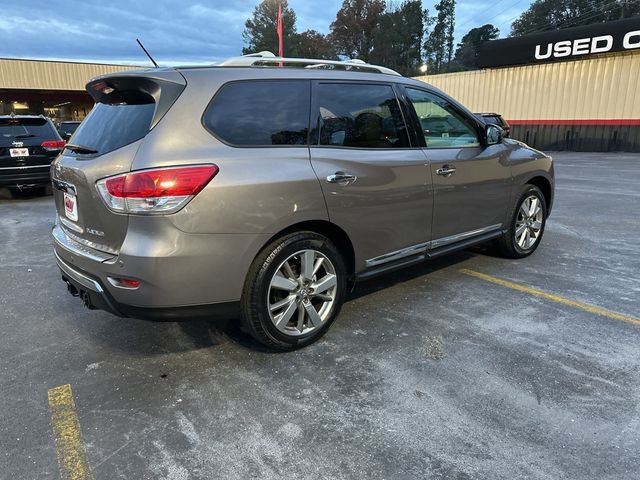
x: 143, y: 337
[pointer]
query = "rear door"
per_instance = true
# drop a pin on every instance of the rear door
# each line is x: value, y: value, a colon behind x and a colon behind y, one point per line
x: 105, y: 144
x: 27, y: 144
x: 471, y: 182
x: 376, y: 184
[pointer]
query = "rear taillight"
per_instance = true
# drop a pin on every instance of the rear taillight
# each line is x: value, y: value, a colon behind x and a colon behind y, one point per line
x: 53, y: 144
x: 162, y: 190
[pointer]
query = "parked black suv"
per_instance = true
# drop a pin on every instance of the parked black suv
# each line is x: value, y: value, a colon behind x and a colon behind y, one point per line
x: 495, y: 119
x: 28, y: 144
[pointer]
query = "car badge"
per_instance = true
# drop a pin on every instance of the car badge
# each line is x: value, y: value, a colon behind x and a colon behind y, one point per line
x: 15, y: 143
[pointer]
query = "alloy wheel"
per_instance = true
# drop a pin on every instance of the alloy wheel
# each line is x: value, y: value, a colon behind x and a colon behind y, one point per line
x: 529, y: 222
x: 302, y: 292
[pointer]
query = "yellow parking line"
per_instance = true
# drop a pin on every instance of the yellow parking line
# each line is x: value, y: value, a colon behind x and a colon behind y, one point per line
x: 72, y: 459
x: 555, y: 298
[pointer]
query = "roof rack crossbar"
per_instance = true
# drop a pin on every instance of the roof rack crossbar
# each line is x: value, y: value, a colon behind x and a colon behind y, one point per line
x: 268, y: 59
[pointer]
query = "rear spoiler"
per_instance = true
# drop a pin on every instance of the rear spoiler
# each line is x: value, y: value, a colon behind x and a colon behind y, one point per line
x: 160, y: 86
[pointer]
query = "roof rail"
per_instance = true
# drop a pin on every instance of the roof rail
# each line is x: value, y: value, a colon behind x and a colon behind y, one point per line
x: 268, y: 59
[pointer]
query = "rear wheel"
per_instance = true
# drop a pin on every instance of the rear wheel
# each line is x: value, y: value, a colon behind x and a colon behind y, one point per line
x: 528, y: 220
x: 294, y: 291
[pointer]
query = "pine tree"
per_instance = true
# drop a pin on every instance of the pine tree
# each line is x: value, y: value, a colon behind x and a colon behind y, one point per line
x: 260, y: 30
x: 353, y: 29
x: 439, y: 44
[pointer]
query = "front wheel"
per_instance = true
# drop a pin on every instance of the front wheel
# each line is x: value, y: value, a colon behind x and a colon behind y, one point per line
x: 294, y: 291
x: 528, y: 220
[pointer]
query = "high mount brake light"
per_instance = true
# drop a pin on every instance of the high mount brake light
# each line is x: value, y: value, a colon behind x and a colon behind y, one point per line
x: 53, y: 144
x: 161, y: 190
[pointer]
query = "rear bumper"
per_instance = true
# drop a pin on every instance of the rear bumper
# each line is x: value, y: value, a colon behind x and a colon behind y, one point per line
x: 94, y: 295
x: 10, y: 177
x: 181, y: 275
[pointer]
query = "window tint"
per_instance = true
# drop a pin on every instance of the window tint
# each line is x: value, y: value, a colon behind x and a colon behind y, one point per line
x: 114, y: 125
x: 29, y: 130
x: 259, y: 113
x: 363, y: 116
x: 492, y: 119
x: 442, y: 125
x: 69, y: 127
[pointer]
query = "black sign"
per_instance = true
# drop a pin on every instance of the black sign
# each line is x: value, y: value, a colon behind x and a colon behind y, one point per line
x: 562, y: 45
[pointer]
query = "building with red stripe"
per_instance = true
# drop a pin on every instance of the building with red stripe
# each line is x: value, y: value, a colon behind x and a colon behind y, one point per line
x: 575, y: 89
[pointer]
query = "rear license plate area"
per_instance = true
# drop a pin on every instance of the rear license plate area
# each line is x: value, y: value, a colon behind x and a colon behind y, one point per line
x: 19, y: 152
x: 71, y: 206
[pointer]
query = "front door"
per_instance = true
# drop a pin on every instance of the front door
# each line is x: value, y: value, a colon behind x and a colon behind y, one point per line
x: 376, y: 184
x: 471, y: 182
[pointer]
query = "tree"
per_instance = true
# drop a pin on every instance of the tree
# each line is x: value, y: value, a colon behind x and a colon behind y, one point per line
x: 553, y: 14
x: 399, y: 36
x: 260, y: 30
x: 466, y: 57
x: 439, y: 44
x: 313, y: 44
x: 353, y: 29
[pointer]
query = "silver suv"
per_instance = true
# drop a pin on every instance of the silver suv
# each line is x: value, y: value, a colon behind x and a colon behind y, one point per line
x: 265, y: 190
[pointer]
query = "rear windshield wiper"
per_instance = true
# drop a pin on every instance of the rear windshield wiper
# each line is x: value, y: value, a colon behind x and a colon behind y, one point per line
x: 24, y: 135
x: 80, y: 148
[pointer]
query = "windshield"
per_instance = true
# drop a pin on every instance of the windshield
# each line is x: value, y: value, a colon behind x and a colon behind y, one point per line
x: 29, y: 130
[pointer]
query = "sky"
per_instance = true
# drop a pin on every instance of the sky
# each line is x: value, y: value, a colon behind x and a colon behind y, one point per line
x: 176, y: 31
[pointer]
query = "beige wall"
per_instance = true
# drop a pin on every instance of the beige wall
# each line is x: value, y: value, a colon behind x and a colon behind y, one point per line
x: 44, y: 75
x: 605, y: 87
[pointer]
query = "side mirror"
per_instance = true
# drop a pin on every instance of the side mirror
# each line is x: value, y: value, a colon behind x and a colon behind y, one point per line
x: 495, y: 134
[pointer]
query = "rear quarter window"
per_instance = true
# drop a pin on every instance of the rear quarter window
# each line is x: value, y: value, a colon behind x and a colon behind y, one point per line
x: 260, y: 113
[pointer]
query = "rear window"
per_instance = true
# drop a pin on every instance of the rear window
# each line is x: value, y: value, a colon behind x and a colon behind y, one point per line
x: 492, y: 119
x: 69, y: 127
x: 27, y: 130
x: 109, y: 126
x: 261, y: 113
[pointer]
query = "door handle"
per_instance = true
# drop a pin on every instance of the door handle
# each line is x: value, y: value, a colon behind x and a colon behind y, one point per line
x: 446, y: 171
x: 342, y: 178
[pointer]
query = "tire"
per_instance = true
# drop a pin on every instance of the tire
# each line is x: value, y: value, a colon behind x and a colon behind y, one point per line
x: 519, y: 243
x: 276, y: 291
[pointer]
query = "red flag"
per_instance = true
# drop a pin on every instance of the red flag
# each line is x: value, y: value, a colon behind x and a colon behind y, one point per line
x: 280, y: 53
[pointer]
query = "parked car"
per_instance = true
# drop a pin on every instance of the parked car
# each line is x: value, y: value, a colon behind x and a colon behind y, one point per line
x: 262, y: 191
x: 67, y: 128
x: 28, y: 144
x: 496, y: 119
